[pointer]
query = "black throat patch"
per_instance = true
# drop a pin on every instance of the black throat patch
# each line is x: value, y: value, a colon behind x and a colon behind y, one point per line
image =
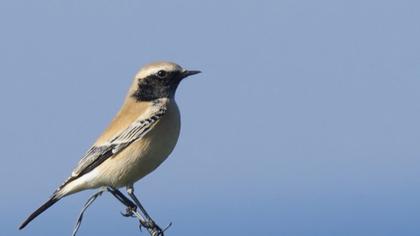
x: 154, y: 87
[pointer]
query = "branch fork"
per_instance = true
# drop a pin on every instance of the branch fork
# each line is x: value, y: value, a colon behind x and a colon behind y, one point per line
x: 143, y: 217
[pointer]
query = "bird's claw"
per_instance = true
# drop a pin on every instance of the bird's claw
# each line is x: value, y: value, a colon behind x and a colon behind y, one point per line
x: 154, y: 229
x: 126, y: 214
x: 129, y: 212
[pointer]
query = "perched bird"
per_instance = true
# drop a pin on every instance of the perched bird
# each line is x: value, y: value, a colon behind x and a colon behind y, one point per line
x: 140, y: 137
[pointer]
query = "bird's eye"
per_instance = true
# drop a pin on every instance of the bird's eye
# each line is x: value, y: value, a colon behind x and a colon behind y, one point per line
x: 161, y: 73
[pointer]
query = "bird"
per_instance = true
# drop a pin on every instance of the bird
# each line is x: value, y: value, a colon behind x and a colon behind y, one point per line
x: 139, y: 138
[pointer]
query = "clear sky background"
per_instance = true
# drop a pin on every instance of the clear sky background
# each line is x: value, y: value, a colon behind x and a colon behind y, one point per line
x: 305, y: 120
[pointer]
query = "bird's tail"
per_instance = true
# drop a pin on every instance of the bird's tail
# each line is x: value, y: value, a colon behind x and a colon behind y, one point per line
x: 53, y: 199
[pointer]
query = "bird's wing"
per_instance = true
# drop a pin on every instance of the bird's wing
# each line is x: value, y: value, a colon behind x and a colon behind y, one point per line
x: 99, y: 153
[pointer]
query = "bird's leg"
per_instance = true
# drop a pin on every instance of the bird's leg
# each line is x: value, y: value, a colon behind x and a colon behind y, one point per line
x: 87, y: 204
x: 153, y: 228
x: 130, y: 191
x: 131, y: 207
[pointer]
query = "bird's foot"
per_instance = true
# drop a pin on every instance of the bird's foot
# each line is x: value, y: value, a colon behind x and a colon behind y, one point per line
x: 153, y: 228
x: 129, y: 212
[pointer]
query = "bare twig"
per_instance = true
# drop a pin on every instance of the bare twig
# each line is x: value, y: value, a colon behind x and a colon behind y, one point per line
x: 131, y: 211
x: 87, y: 204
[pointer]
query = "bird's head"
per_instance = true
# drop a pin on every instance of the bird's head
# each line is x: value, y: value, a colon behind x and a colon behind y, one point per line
x: 158, y: 80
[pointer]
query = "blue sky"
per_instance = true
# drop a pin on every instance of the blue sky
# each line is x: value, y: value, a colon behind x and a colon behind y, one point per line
x: 305, y: 120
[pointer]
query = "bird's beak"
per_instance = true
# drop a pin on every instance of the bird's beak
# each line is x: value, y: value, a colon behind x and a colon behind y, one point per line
x: 187, y: 73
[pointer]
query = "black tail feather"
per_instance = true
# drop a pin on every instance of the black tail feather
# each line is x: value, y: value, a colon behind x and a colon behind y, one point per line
x: 36, y: 213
